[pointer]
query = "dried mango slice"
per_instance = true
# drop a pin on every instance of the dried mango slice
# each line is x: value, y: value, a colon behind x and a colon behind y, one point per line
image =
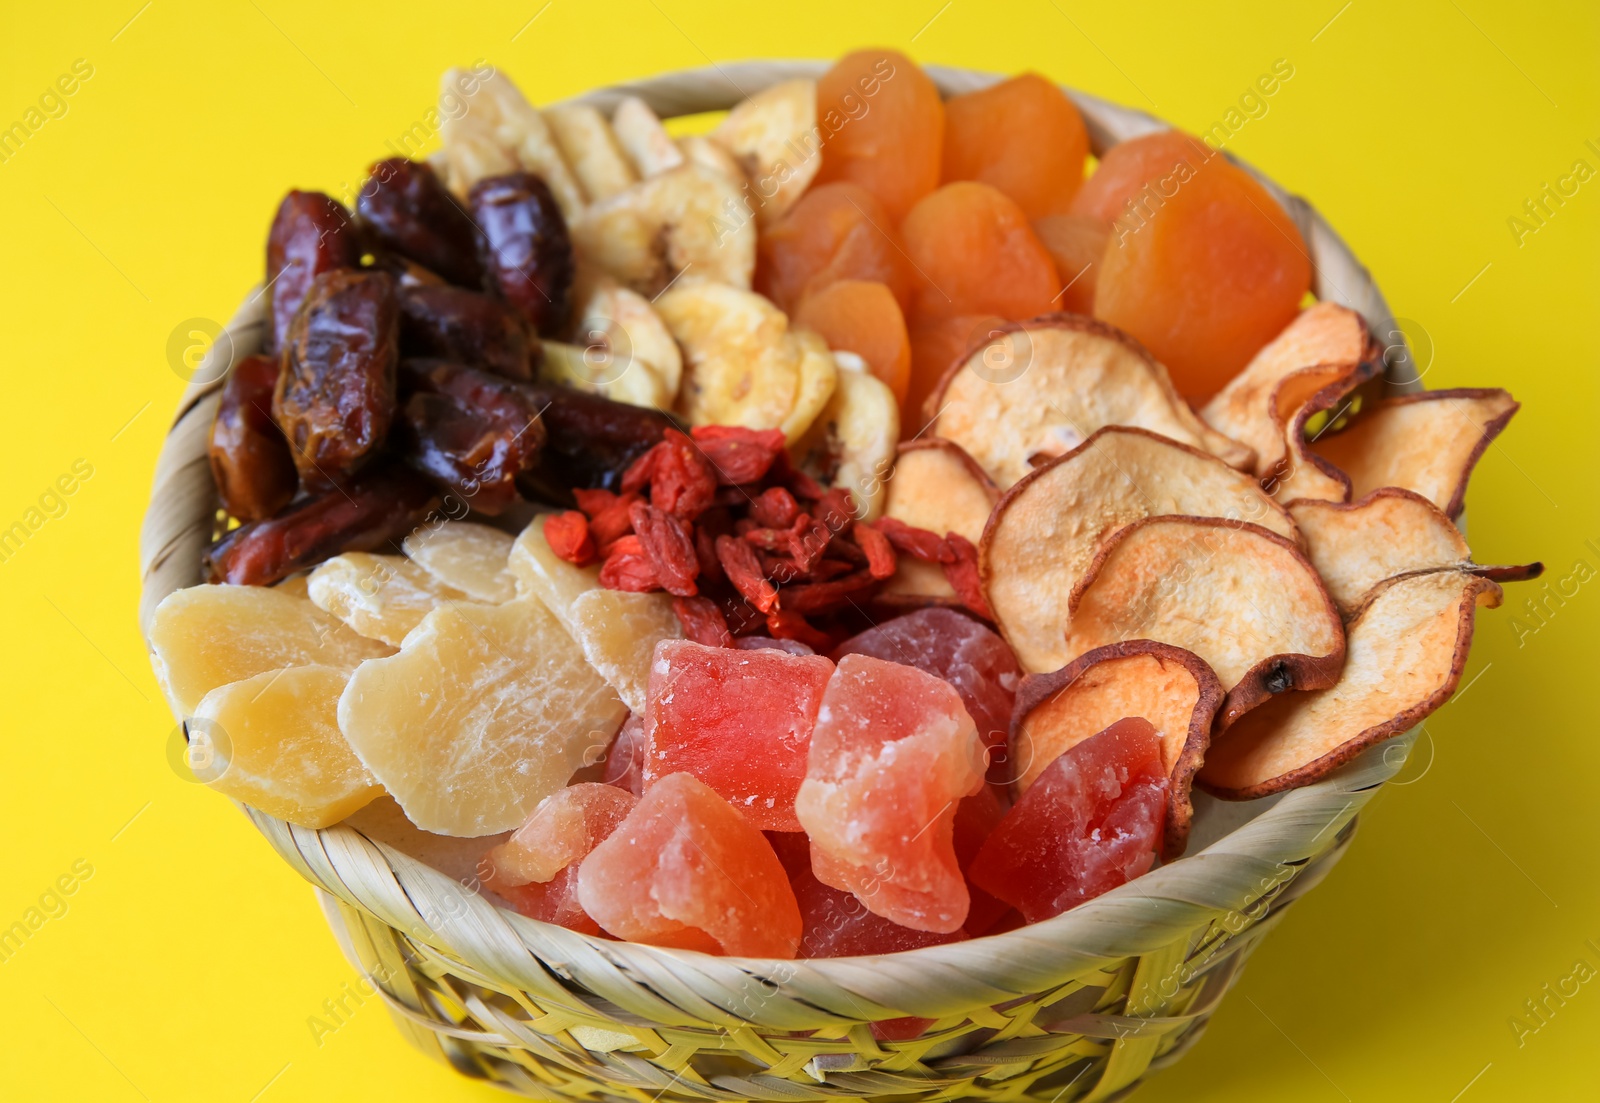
x: 1408, y: 646
x: 278, y: 745
x: 938, y: 487
x: 486, y: 710
x: 1044, y: 533
x: 541, y: 573
x: 500, y: 133
x: 1243, y: 598
x: 643, y: 138
x: 851, y: 442
x: 1426, y: 442
x: 773, y: 135
x: 590, y: 147
x: 1320, y: 346
x: 618, y: 632
x: 208, y: 636
x: 1172, y: 688
x: 1040, y: 388
x: 381, y: 596
x: 690, y: 219
x: 467, y: 556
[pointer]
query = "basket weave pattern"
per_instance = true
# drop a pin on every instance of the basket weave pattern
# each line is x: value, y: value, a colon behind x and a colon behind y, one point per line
x: 1079, y: 1007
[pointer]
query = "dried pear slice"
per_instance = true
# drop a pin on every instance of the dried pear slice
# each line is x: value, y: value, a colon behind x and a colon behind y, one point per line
x: 1408, y: 646
x: 468, y: 556
x: 1042, y: 537
x: 938, y: 487
x: 542, y: 574
x: 1041, y: 388
x: 498, y: 133
x: 690, y: 219
x: 591, y: 148
x: 1305, y: 475
x: 1172, y: 688
x: 1426, y: 442
x: 1316, y: 349
x: 851, y: 443
x: 618, y: 633
x: 774, y: 137
x: 740, y: 368
x: 485, y: 711
x: 643, y: 138
x: 1240, y: 596
x: 381, y: 596
x: 208, y: 636
x: 276, y: 746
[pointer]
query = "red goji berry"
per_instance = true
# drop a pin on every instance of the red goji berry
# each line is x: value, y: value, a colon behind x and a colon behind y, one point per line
x: 879, y: 552
x: 823, y: 597
x: 683, y: 482
x: 784, y: 624
x: 808, y: 539
x: 568, y: 536
x: 705, y: 550
x: 743, y: 618
x: 627, y: 567
x: 836, y: 508
x: 669, y: 543
x: 642, y: 470
x: 613, y: 521
x: 927, y: 546
x: 702, y: 621
x: 593, y: 501
x: 775, y: 507
x: 962, y: 573
x: 738, y: 455
x: 743, y: 569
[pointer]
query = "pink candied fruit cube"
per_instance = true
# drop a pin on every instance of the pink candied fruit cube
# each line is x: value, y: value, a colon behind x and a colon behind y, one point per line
x: 1092, y: 821
x: 536, y: 869
x: 892, y: 754
x: 740, y: 721
x: 686, y: 869
x: 625, y: 759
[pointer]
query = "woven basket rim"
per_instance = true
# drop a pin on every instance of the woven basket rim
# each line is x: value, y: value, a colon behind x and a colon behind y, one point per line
x: 1135, y: 919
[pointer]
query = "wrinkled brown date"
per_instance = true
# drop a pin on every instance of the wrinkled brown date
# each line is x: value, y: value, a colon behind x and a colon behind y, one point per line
x: 589, y: 441
x: 468, y: 327
x: 374, y: 511
x: 524, y: 248
x: 471, y: 432
x: 406, y: 209
x: 250, y: 460
x: 336, y: 392
x: 311, y: 234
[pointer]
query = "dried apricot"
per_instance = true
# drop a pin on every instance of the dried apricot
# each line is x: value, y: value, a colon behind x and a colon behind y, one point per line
x: 976, y: 254
x: 882, y: 127
x: 1160, y: 161
x: 1023, y: 136
x: 1077, y: 243
x: 935, y: 346
x: 836, y: 232
x: 862, y: 317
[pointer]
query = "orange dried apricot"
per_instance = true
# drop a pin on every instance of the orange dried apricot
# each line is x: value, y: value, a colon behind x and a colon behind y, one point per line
x: 1022, y: 136
x: 882, y: 127
x: 1128, y: 167
x: 976, y: 254
x: 936, y: 345
x: 1077, y: 243
x: 836, y: 232
x: 861, y: 316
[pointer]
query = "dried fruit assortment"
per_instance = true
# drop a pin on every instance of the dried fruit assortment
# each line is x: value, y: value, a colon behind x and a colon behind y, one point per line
x: 849, y: 530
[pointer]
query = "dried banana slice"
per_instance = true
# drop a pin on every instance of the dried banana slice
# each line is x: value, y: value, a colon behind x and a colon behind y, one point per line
x: 621, y: 348
x: 499, y: 131
x: 594, y: 370
x: 740, y: 367
x: 819, y: 379
x: 700, y: 150
x: 644, y: 139
x: 851, y: 443
x: 774, y: 137
x: 592, y: 149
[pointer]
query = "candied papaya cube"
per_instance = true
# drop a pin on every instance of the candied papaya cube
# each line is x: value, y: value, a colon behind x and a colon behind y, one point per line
x: 740, y: 721
x: 380, y: 596
x: 686, y: 869
x: 975, y: 253
x: 882, y: 127
x: 1023, y: 136
x: 862, y: 317
x: 836, y: 232
x: 1091, y: 822
x: 274, y: 744
x: 892, y: 754
x: 536, y: 869
x: 624, y: 766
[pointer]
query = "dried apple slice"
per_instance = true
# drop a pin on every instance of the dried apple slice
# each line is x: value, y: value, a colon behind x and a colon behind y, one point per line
x: 618, y: 633
x: 938, y: 487
x: 774, y: 137
x: 500, y: 132
x: 645, y: 140
x: 590, y: 147
x: 468, y: 556
x: 1038, y: 389
x: 277, y: 747
x: 208, y: 636
x: 851, y: 442
x: 381, y: 596
x: 1426, y: 442
x: 1043, y: 535
x: 1408, y: 645
x: 1319, y: 347
x: 542, y: 574
x: 1240, y: 596
x: 690, y: 219
x: 485, y: 711
x: 1172, y: 688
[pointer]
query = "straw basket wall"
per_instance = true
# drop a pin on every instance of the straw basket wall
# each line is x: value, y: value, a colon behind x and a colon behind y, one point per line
x: 1076, y: 1008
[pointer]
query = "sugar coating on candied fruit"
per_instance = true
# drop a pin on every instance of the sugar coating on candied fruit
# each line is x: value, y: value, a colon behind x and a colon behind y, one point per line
x: 686, y: 869
x: 380, y: 596
x: 278, y: 748
x: 468, y: 556
x: 485, y: 711
x: 208, y: 636
x: 536, y: 869
x: 739, y: 721
x: 618, y: 632
x: 1092, y: 821
x: 892, y: 753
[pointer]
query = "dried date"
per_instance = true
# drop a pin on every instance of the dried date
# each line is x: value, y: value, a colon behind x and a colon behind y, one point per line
x: 406, y: 209
x: 523, y: 248
x: 590, y: 441
x: 250, y: 459
x: 468, y: 327
x: 311, y: 234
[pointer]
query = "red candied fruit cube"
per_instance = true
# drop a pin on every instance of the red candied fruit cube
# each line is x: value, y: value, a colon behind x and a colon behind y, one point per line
x: 625, y: 758
x: 685, y: 869
x: 1090, y: 823
x: 892, y: 753
x: 536, y: 870
x: 738, y: 720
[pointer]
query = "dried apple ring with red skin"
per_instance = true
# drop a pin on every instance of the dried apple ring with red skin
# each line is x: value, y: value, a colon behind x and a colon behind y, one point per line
x: 406, y: 209
x: 335, y: 395
x: 882, y: 127
x: 469, y: 327
x: 311, y: 234
x: 524, y: 248
x: 250, y: 460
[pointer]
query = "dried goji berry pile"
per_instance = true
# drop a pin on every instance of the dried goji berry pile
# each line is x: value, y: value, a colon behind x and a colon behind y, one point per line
x: 746, y: 542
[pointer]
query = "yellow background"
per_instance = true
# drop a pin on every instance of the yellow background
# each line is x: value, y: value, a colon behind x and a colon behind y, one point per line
x: 188, y: 963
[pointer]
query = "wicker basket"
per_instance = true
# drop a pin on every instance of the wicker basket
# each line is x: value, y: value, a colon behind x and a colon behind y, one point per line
x: 1077, y: 1007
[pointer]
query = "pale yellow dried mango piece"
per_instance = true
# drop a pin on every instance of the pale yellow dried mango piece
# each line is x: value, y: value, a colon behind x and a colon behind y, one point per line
x: 208, y: 636
x: 468, y: 556
x: 381, y: 596
x: 542, y: 574
x: 274, y: 744
x: 486, y: 710
x: 739, y: 366
x: 618, y: 632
